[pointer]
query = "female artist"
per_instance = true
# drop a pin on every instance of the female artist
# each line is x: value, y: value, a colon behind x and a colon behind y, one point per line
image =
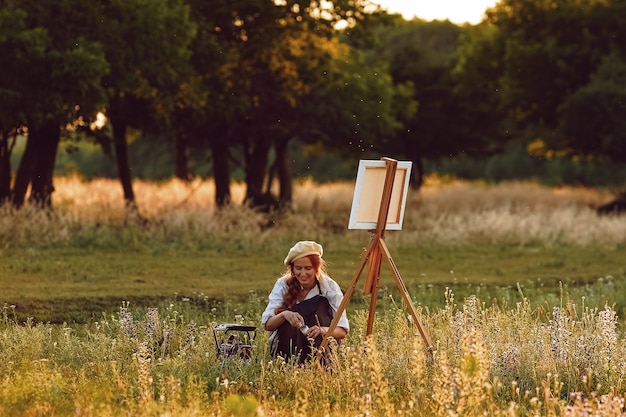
x: 302, y: 304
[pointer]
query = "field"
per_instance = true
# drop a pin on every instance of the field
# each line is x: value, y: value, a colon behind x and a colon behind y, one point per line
x: 520, y: 288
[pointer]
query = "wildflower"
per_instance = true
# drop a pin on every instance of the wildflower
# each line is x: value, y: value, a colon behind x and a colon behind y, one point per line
x: 152, y: 322
x: 191, y: 334
x: 127, y: 322
x: 608, y: 337
x: 559, y: 334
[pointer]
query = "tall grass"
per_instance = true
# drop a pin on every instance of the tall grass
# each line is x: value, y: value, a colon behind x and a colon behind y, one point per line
x: 565, y: 358
x: 450, y: 213
x: 495, y: 361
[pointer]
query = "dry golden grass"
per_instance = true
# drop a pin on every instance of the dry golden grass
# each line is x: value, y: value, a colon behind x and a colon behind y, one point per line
x: 447, y: 212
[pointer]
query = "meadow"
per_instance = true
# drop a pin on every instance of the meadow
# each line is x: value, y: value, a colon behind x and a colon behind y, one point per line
x: 520, y: 288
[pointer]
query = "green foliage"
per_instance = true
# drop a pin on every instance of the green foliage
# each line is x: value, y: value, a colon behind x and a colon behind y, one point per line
x: 596, y: 113
x: 420, y: 57
x: 515, y: 162
x: 147, y: 47
x: 51, y: 68
x: 244, y: 81
x: 538, y: 65
x: 233, y: 69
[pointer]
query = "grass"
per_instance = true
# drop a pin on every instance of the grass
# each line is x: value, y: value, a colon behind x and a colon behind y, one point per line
x: 487, y: 361
x: 66, y: 284
x: 520, y: 288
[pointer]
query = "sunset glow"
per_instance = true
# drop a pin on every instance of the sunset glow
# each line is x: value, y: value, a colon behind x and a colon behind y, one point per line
x: 457, y: 11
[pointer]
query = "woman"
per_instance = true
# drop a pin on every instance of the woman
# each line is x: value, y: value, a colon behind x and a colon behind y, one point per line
x: 302, y: 304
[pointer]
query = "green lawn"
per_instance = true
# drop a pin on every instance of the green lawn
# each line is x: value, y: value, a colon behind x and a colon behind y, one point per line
x: 73, y: 284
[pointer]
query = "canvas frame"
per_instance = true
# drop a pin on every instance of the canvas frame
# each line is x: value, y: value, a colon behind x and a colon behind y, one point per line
x: 368, y: 196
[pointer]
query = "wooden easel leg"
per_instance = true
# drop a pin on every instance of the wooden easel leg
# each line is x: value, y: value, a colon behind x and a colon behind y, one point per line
x: 406, y: 296
x: 372, y: 312
x: 372, y: 286
x: 346, y: 297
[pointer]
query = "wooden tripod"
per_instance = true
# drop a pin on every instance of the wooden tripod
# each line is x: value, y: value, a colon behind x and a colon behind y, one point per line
x: 374, y: 253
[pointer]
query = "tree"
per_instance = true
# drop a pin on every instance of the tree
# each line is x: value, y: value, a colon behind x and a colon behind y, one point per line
x: 146, y: 45
x: 552, y: 73
x: 422, y: 57
x: 549, y: 52
x: 261, y: 65
x: 485, y: 126
x: 14, y: 37
x: 52, y: 78
x: 592, y: 120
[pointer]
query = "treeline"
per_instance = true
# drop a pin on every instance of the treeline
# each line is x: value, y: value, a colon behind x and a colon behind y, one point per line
x: 155, y: 161
x: 245, y: 87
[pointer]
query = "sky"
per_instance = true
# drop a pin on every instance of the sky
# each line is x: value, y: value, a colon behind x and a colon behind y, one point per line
x: 457, y: 11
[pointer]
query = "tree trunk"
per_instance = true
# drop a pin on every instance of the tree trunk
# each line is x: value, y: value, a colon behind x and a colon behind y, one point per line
x: 121, y: 159
x: 283, y: 168
x: 221, y: 174
x: 417, y: 173
x: 5, y: 168
x: 43, y: 174
x: 181, y: 169
x: 25, y: 170
x: 256, y: 165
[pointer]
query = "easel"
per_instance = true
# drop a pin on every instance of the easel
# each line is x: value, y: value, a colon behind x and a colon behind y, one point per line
x: 374, y: 253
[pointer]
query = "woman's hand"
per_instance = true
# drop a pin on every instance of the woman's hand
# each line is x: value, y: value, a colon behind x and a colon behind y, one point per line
x: 316, y: 331
x: 295, y: 319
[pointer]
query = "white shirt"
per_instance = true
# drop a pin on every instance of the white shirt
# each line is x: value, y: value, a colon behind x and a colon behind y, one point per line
x: 330, y: 290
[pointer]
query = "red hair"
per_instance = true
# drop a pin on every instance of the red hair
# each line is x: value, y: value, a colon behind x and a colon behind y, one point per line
x: 293, y: 286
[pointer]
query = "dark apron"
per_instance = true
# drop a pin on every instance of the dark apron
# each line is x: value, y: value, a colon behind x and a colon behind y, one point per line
x: 290, y: 342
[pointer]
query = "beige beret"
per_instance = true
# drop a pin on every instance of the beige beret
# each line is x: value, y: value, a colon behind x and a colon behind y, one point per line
x: 302, y: 249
